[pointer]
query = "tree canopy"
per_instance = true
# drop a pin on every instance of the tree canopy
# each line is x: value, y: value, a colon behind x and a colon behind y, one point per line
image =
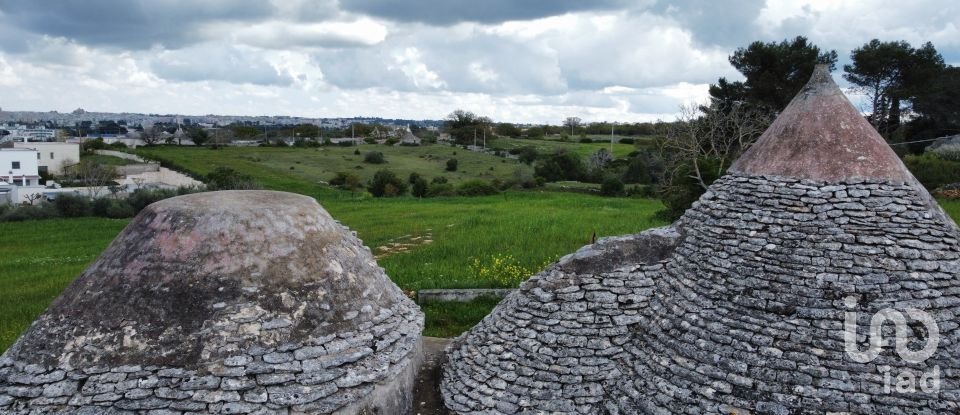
x: 774, y: 73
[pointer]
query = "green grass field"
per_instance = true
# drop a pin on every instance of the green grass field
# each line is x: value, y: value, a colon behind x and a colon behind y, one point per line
x: 306, y: 170
x: 38, y: 259
x: 581, y: 149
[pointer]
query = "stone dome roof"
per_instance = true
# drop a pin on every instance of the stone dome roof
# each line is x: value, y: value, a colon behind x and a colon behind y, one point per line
x: 233, y: 301
x: 762, y: 303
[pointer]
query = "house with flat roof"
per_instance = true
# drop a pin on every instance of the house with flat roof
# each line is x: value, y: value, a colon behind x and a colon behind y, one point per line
x: 52, y: 157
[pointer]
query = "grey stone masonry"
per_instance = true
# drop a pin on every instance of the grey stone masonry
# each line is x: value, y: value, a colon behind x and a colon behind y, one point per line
x: 749, y: 315
x: 205, y: 304
x: 553, y: 345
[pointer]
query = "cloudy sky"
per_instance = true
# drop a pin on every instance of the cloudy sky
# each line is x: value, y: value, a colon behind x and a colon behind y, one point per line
x: 513, y: 60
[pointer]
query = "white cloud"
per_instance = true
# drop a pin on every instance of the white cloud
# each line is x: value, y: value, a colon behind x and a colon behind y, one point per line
x: 409, y: 62
x: 285, y: 35
x: 526, y: 62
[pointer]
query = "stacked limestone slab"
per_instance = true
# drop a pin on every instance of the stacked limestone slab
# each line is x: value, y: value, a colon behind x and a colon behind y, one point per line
x: 222, y: 302
x: 819, y: 224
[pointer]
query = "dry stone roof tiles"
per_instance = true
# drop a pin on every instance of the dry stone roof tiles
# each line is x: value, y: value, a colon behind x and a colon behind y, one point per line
x: 221, y: 302
x: 746, y: 310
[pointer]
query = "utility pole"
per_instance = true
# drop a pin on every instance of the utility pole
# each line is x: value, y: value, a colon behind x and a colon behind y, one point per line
x: 474, y: 137
x: 484, y: 138
x: 611, y: 138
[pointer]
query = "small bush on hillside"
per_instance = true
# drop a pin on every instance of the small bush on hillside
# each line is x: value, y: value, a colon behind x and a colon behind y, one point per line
x: 374, y: 157
x: 345, y: 181
x: 441, y: 190
x: 477, y: 187
x: 586, y: 140
x: 385, y: 183
x: 452, y: 165
x: 356, y: 152
x: 439, y: 180
x: 627, y: 141
x: 611, y: 186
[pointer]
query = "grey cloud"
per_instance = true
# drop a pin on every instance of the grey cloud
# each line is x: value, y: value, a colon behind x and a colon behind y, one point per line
x: 131, y: 24
x: 217, y: 64
x: 724, y: 23
x: 447, y: 12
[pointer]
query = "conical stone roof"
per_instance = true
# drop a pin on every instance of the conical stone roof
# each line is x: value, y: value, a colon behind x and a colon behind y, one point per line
x: 763, y: 302
x: 234, y: 301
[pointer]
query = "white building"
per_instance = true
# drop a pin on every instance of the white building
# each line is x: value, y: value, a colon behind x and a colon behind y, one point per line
x: 18, y: 166
x: 52, y: 157
x: 19, y: 175
x: 27, y: 134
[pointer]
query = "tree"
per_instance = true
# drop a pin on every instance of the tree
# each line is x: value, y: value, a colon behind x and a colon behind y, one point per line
x: 419, y: 187
x: 571, y: 123
x: 700, y: 146
x: 464, y: 126
x: 774, y: 73
x: 95, y: 177
x: 199, y: 136
x: 452, y: 165
x: 507, y: 129
x: 153, y: 135
x: 599, y: 159
x: 891, y: 75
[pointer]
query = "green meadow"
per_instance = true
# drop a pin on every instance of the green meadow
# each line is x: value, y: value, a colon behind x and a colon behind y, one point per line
x: 421, y: 243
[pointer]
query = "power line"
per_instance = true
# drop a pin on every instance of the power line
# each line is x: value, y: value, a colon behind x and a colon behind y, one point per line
x: 921, y: 141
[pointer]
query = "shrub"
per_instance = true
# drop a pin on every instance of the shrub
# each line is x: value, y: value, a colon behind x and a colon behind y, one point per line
x: 117, y: 146
x: 95, y: 144
x: 452, y: 165
x: 627, y: 141
x: 441, y: 189
x: 73, y: 206
x: 345, y: 181
x: 391, y: 141
x: 29, y: 212
x: 477, y: 187
x: 118, y: 209
x: 413, y: 177
x: 611, y: 186
x: 586, y: 140
x: 439, y: 180
x: 142, y: 198
x: 100, y: 206
x: 374, y: 157
x: 561, y: 165
x: 419, y: 187
x: 932, y: 171
x: 385, y: 183
x: 526, y: 154
x: 356, y: 152
x: 225, y: 178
